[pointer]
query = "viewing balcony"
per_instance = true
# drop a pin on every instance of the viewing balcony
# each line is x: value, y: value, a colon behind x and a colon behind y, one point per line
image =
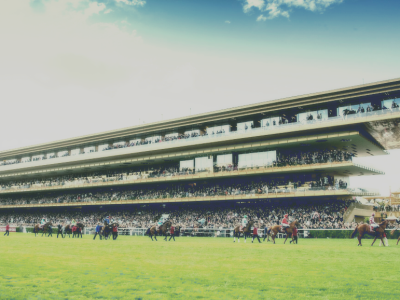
x: 346, y: 168
x: 280, y: 193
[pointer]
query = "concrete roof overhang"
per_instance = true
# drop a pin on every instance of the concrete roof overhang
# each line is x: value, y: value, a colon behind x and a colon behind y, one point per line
x: 352, y: 141
x: 343, y: 94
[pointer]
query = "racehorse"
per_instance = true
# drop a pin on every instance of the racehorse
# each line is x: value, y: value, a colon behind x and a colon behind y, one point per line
x: 275, y: 230
x: 45, y: 228
x: 245, y: 230
x: 79, y: 229
x: 106, y: 230
x: 366, y: 229
x: 67, y: 230
x: 162, y: 230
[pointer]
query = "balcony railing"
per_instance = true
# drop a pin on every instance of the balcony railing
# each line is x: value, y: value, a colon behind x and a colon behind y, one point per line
x: 99, y: 181
x: 232, y: 134
x: 196, y: 197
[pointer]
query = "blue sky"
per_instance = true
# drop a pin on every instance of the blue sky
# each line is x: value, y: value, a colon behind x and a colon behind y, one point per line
x: 76, y: 67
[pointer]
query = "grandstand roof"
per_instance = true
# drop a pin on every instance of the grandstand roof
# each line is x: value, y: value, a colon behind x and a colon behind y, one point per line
x: 382, y: 87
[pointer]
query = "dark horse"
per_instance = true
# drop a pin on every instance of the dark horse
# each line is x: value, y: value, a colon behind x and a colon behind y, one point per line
x: 67, y: 230
x: 366, y: 229
x: 245, y: 230
x: 162, y: 230
x: 277, y: 228
x: 79, y: 229
x: 45, y: 228
x: 106, y: 230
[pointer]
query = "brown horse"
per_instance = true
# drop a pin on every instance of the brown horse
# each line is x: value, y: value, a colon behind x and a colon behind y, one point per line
x: 162, y: 230
x: 45, y: 228
x: 245, y: 230
x: 366, y: 229
x: 277, y: 228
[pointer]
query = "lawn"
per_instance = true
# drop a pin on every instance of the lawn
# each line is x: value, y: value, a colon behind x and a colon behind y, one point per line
x: 211, y: 268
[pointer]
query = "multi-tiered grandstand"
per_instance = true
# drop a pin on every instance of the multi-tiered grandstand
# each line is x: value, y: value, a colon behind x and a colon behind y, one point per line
x: 286, y: 152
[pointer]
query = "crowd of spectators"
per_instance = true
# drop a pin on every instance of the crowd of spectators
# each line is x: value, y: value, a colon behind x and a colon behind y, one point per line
x: 283, y: 159
x: 259, y: 185
x: 311, y: 215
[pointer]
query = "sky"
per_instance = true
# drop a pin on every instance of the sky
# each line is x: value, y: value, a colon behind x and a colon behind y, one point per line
x: 76, y: 67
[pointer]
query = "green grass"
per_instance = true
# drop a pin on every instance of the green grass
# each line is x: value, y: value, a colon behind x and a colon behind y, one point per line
x: 190, y: 268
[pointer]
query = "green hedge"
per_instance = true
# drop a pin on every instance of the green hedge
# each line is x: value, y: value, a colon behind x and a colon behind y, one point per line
x: 345, y: 234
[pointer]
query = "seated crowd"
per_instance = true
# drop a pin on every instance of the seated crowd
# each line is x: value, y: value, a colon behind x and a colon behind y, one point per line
x: 259, y: 185
x: 283, y: 159
x: 310, y: 215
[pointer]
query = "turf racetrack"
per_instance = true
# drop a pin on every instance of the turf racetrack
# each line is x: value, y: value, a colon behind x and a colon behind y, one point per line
x: 211, y: 268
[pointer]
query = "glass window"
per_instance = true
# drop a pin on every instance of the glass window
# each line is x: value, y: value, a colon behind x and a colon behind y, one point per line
x: 270, y: 122
x: 37, y: 157
x: 316, y: 115
x: 89, y: 149
x: 122, y: 143
x: 26, y: 159
x: 135, y: 142
x: 218, y: 129
x: 245, y: 125
x: 62, y: 153
x: 186, y: 164
x: 103, y: 146
x: 224, y: 160
x: 153, y: 139
x: 203, y: 164
x: 50, y: 155
x: 75, y: 151
x: 256, y: 159
x: 391, y: 103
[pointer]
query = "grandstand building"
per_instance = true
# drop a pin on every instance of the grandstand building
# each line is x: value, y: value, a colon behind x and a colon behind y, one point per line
x: 299, y: 148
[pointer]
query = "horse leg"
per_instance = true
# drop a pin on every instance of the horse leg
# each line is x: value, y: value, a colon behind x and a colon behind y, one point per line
x: 383, y: 243
x: 285, y: 239
x: 374, y: 241
x: 359, y: 239
x: 245, y: 237
x: 398, y: 241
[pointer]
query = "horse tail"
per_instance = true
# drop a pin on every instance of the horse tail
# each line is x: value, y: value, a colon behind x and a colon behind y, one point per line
x: 269, y: 230
x: 354, y: 232
x: 147, y: 232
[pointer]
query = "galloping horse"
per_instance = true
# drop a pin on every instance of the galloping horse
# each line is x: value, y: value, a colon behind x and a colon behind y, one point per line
x: 45, y: 228
x: 162, y: 230
x: 277, y: 228
x: 366, y: 229
x: 245, y: 230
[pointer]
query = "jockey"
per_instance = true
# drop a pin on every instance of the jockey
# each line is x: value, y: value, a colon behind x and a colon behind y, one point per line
x: 244, y: 222
x: 107, y: 220
x: 285, y: 223
x: 372, y: 222
x: 43, y: 222
x: 73, y: 222
x: 159, y: 223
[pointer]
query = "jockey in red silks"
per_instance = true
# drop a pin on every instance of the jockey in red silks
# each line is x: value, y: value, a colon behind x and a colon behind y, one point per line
x: 285, y: 223
x: 372, y: 222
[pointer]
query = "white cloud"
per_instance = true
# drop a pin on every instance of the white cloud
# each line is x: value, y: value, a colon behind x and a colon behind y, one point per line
x: 261, y: 18
x: 249, y: 4
x: 108, y: 11
x: 132, y: 2
x: 276, y: 8
x: 228, y: 22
